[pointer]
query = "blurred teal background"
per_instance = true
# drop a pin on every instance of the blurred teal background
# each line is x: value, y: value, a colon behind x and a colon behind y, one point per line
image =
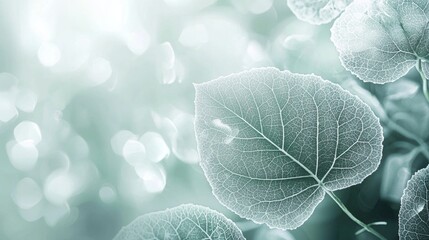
x: 96, y: 112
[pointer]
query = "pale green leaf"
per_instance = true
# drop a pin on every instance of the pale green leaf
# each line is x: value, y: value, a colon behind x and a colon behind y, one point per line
x: 186, y: 222
x: 317, y: 11
x: 272, y: 142
x: 414, y: 213
x: 381, y: 40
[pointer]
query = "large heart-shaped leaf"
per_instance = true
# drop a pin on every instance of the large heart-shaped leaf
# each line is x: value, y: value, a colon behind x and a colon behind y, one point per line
x: 186, y: 222
x: 381, y: 40
x: 317, y: 11
x: 414, y: 212
x: 273, y: 143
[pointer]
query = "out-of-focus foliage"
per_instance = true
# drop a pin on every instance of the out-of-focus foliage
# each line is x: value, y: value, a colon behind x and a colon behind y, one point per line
x: 87, y: 87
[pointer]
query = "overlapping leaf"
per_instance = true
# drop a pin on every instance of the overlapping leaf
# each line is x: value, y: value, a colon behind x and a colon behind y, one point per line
x: 381, y: 40
x: 186, y: 222
x: 414, y: 212
x: 317, y: 11
x: 272, y: 143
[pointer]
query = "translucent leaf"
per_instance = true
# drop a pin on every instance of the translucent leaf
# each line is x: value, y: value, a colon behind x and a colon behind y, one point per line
x: 414, y: 213
x: 380, y: 41
x: 183, y: 222
x: 272, y: 143
x: 317, y: 11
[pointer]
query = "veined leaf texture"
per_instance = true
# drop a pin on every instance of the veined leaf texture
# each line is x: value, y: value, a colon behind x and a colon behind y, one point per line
x: 272, y: 143
x: 185, y: 222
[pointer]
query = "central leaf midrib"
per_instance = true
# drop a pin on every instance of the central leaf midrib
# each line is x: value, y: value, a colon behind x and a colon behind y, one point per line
x: 271, y: 142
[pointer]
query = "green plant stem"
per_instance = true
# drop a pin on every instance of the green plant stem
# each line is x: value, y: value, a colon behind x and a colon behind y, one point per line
x: 424, y: 80
x: 368, y: 228
x: 370, y: 224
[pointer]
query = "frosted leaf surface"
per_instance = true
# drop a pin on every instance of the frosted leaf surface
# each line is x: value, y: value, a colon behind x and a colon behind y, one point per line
x: 414, y: 213
x: 317, y: 11
x: 284, y: 139
x: 380, y: 41
x: 186, y: 222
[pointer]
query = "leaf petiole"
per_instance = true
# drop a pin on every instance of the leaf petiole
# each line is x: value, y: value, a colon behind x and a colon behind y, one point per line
x: 367, y: 227
x: 424, y: 79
